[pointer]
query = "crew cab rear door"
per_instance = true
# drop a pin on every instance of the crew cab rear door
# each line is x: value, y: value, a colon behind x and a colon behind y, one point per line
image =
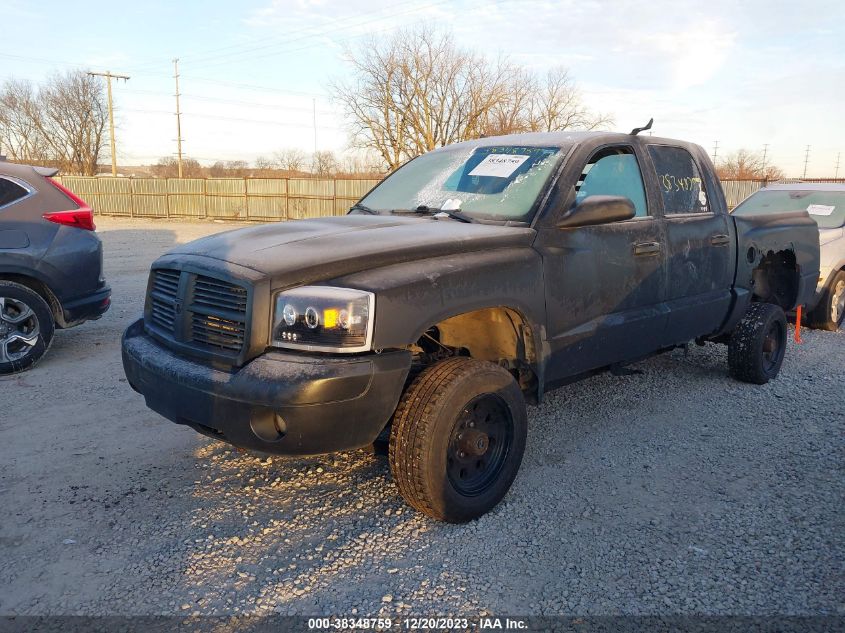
x: 604, y: 283
x: 699, y: 239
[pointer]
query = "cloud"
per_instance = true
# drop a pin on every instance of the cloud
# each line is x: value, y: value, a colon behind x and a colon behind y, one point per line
x: 693, y: 54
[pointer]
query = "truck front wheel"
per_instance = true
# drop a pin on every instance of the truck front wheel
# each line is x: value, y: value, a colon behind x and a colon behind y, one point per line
x: 457, y: 439
x: 758, y: 344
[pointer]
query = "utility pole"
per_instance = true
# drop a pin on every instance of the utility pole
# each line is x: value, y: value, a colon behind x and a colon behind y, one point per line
x: 836, y: 175
x: 806, y: 160
x: 715, y: 151
x: 178, y: 117
x: 109, y: 77
x: 314, y: 107
x: 765, y: 153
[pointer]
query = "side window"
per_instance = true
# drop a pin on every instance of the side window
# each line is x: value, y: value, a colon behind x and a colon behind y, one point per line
x: 613, y: 171
x: 679, y: 180
x: 10, y: 192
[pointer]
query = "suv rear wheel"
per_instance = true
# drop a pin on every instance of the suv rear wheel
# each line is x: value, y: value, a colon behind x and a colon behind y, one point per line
x: 26, y: 327
x: 829, y: 314
x: 758, y: 344
x: 457, y: 439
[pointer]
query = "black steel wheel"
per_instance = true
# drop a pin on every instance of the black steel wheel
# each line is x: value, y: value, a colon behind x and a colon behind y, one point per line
x: 26, y: 327
x: 481, y: 438
x: 758, y: 344
x: 457, y: 438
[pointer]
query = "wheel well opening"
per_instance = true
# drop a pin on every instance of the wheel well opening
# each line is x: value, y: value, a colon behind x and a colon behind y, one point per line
x: 776, y: 279
x: 500, y: 335
x: 41, y: 289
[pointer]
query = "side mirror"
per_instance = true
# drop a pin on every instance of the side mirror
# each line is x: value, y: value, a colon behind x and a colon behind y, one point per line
x: 594, y: 210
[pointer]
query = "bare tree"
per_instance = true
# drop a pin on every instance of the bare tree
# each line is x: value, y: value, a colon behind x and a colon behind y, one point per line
x: 62, y: 122
x: 324, y: 164
x: 360, y: 164
x: 168, y: 167
x: 557, y: 105
x: 417, y: 91
x: 229, y: 169
x: 21, y: 129
x: 264, y: 166
x: 747, y: 165
x: 291, y: 159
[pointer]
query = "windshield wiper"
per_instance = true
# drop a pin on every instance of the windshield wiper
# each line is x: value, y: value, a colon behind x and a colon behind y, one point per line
x: 455, y: 215
x: 363, y: 208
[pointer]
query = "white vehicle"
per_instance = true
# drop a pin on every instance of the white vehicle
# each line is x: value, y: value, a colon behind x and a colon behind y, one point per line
x: 826, y: 205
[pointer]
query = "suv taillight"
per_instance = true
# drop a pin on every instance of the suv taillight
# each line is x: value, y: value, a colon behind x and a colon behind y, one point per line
x: 81, y: 218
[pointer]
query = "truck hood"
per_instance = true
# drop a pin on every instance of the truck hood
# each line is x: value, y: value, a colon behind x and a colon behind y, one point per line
x: 304, y: 251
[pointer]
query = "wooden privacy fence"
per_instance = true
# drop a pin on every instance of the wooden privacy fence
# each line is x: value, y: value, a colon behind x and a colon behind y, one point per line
x: 264, y: 199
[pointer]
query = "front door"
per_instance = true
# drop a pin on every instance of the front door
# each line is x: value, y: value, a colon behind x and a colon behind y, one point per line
x: 604, y: 284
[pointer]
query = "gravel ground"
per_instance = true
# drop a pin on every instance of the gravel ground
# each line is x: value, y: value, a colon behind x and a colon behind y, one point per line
x: 676, y: 490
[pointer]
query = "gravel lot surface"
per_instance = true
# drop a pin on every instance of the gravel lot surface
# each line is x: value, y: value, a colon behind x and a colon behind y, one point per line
x: 674, y: 491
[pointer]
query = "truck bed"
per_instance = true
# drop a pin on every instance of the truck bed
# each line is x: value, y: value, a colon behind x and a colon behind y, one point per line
x: 769, y: 245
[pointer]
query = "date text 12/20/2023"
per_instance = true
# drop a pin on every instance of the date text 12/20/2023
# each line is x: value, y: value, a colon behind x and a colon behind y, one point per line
x: 417, y: 624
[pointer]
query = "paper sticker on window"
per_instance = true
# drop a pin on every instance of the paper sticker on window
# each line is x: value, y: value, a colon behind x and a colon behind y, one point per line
x: 820, y: 209
x: 499, y: 165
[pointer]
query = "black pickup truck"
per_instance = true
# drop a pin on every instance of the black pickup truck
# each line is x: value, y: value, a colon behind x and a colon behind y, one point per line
x: 471, y: 280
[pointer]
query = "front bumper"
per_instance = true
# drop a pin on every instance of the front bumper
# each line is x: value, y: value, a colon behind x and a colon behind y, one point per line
x: 280, y: 402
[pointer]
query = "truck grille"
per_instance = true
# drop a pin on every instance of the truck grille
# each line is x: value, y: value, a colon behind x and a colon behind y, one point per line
x: 219, y: 314
x: 165, y: 287
x: 198, y: 312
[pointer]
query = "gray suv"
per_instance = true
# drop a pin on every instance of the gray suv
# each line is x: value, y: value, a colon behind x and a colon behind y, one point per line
x: 51, y: 264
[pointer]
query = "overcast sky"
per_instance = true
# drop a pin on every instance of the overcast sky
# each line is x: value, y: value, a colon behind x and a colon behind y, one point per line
x: 744, y: 74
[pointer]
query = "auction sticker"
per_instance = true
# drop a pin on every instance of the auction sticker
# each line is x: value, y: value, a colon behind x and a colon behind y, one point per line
x: 820, y: 209
x: 499, y: 165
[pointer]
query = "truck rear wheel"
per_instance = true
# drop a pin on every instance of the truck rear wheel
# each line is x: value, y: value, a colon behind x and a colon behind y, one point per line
x: 457, y: 439
x: 829, y: 314
x: 758, y: 344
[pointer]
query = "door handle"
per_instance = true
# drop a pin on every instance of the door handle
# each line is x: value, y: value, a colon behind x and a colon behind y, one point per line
x: 646, y: 249
x: 720, y: 239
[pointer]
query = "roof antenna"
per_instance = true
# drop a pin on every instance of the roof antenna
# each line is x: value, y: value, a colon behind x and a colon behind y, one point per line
x: 647, y: 126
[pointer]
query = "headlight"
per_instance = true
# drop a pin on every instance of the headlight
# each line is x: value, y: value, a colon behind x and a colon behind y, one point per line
x: 322, y: 318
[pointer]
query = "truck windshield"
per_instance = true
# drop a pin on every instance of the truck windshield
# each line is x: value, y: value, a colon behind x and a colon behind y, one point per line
x: 496, y: 182
x: 827, y: 208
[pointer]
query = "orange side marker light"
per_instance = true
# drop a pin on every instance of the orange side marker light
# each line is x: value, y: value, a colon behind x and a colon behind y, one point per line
x: 798, y: 325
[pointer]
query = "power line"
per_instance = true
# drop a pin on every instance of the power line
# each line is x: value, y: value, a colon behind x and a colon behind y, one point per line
x: 248, y: 52
x: 109, y: 76
x: 253, y: 104
x: 308, y: 125
x: 216, y: 52
x: 249, y: 56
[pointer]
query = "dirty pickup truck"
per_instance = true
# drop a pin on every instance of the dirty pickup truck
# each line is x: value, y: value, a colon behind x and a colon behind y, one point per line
x: 473, y: 279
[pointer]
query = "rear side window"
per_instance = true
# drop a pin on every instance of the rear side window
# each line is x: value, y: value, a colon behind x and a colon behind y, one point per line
x: 10, y: 192
x: 679, y: 180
